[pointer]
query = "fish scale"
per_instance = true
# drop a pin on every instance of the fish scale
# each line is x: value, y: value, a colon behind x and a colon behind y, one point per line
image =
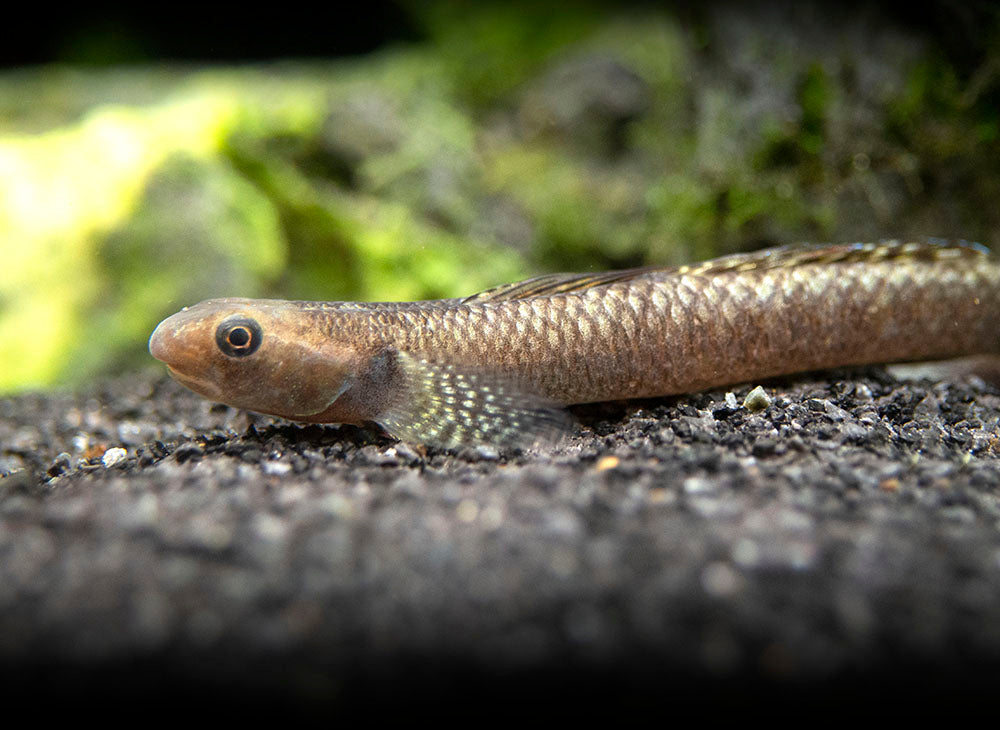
x: 497, y: 366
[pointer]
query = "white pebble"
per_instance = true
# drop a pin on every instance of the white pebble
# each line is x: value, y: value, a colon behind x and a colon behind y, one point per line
x: 276, y: 468
x: 113, y: 456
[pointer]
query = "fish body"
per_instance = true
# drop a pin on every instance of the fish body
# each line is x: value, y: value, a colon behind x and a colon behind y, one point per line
x: 497, y: 366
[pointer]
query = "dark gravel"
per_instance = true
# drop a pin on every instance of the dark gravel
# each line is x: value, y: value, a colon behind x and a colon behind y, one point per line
x: 844, y: 539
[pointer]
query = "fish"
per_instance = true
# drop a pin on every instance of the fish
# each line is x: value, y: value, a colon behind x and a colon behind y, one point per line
x: 498, y: 367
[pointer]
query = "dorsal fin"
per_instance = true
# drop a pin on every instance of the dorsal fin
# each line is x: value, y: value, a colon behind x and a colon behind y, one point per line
x: 803, y: 254
x: 771, y: 258
x: 555, y: 284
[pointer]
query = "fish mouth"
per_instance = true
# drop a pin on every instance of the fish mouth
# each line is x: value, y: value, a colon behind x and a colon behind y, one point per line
x: 201, y: 386
x: 159, y: 350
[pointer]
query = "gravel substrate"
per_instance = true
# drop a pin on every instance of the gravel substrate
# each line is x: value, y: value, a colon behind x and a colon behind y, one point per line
x: 845, y: 537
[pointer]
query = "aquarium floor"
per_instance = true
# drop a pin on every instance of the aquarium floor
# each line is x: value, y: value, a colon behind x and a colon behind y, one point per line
x: 844, y: 541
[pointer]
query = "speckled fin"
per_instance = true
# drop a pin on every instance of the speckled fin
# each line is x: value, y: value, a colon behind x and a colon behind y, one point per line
x: 772, y: 258
x: 450, y: 406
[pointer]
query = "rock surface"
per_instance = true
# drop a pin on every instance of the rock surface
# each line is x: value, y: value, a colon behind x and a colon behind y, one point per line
x: 845, y: 536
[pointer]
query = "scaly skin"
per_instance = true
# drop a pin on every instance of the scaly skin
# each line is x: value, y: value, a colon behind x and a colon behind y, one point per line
x: 575, y: 339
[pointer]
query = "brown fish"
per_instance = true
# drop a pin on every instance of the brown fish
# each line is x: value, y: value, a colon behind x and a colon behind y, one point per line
x: 496, y: 367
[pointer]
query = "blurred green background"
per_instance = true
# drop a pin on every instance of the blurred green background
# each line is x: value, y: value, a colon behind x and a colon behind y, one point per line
x: 457, y: 146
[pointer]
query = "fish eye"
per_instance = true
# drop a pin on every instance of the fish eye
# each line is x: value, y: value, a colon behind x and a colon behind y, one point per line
x: 238, y: 336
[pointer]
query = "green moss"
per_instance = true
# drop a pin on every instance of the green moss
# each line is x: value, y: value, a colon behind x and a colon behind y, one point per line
x: 199, y: 231
x: 585, y: 214
x: 654, y: 46
x: 931, y: 89
x: 814, y: 99
x: 488, y: 49
x: 683, y: 220
x: 987, y: 129
x: 800, y: 144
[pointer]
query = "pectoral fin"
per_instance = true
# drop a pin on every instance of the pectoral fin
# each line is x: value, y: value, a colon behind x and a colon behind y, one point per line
x: 451, y: 405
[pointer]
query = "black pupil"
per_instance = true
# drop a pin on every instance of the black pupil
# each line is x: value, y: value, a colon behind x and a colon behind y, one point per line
x: 239, y: 337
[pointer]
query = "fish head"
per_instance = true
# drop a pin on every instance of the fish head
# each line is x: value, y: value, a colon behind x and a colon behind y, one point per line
x: 259, y: 355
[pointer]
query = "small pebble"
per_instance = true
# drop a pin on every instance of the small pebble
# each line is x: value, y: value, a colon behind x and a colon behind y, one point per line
x: 113, y: 456
x: 406, y: 452
x: 756, y: 400
x: 724, y: 412
x: 699, y: 485
x: 607, y: 462
x: 487, y: 453
x: 276, y: 468
x: 467, y: 510
x: 60, y: 465
x: 187, y: 451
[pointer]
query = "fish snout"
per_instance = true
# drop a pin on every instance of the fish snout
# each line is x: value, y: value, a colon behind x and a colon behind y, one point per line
x: 173, y: 342
x: 158, y: 346
x: 176, y: 343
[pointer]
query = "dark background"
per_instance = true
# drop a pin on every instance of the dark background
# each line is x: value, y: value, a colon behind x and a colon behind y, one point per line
x: 109, y: 34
